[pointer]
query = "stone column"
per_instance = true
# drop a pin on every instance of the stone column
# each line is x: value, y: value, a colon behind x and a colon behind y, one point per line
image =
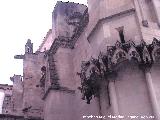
x: 144, y: 20
x: 152, y: 95
x: 104, y: 98
x: 113, y: 99
x: 156, y: 6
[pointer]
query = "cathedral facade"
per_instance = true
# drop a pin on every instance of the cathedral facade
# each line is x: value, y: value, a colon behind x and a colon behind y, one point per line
x: 100, y: 61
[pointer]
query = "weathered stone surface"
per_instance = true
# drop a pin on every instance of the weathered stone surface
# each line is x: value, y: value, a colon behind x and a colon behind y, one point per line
x: 32, y: 90
x: 66, y: 18
x: 80, y: 34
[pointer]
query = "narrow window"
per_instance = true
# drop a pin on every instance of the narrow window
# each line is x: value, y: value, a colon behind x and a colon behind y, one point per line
x: 28, y: 50
x: 121, y: 34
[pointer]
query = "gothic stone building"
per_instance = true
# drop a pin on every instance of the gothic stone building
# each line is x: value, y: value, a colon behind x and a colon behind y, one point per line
x: 97, y: 62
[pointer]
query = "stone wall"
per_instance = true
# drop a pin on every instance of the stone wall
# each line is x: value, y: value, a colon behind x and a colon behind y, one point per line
x: 132, y: 89
x: 7, y: 106
x: 155, y: 79
x: 64, y: 66
x: 33, y: 91
x: 59, y: 105
x: 17, y: 95
x: 47, y: 42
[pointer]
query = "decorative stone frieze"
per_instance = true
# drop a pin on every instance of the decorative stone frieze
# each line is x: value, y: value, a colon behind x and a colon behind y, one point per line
x: 105, y: 66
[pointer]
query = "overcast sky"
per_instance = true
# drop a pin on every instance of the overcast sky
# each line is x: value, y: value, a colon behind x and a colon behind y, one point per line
x: 21, y: 20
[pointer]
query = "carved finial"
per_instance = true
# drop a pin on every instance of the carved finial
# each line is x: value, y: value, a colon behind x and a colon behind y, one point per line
x: 118, y: 45
x: 100, y: 55
x: 29, y: 47
x: 110, y: 50
x: 146, y: 55
x: 16, y: 78
x: 142, y: 43
x: 156, y: 50
x: 132, y: 53
x: 155, y: 41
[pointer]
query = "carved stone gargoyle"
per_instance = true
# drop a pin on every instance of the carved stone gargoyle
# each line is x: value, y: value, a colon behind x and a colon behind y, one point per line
x: 90, y: 79
x: 96, y: 70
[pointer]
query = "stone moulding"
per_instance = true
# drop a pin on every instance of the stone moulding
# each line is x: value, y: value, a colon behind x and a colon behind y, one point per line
x: 103, y: 68
x: 14, y: 117
x: 19, y: 57
x: 62, y: 89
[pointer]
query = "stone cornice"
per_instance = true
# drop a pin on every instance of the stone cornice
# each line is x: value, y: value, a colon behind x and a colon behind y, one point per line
x: 10, y: 116
x: 5, y: 86
x: 19, y: 57
x: 15, y: 117
x: 61, y: 89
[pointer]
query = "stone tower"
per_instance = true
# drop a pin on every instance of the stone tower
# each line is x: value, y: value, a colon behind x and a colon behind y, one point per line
x: 32, y: 91
x: 115, y: 55
x: 32, y: 87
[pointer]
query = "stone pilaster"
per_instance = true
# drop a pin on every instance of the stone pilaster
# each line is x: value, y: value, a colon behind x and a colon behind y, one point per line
x: 156, y: 7
x: 152, y: 94
x: 113, y: 99
x: 112, y: 94
x: 144, y: 20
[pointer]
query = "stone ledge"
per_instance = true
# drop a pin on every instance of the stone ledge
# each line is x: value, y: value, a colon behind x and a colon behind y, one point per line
x: 64, y: 89
x: 10, y: 116
x: 15, y: 117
